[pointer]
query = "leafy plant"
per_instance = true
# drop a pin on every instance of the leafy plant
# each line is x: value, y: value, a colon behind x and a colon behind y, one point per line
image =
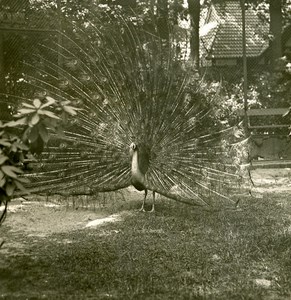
x: 19, y: 147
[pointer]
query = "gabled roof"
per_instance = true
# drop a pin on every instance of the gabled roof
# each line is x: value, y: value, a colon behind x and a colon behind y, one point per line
x: 221, y: 34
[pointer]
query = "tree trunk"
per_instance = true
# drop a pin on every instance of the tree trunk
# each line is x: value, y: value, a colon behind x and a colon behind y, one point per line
x: 194, y: 12
x: 162, y: 19
x: 275, y: 30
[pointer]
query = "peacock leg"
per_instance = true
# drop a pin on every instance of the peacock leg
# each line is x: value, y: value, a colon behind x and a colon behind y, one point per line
x: 154, y: 199
x: 144, y: 200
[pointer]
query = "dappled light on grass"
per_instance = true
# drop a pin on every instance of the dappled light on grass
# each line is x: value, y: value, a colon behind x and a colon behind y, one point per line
x: 179, y: 252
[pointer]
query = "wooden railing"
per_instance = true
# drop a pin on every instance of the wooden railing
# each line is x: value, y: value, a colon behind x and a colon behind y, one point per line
x: 255, y: 113
x: 270, y: 142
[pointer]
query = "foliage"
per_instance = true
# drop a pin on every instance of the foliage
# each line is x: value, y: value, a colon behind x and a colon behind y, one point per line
x: 262, y: 9
x: 36, y: 120
x: 274, y: 89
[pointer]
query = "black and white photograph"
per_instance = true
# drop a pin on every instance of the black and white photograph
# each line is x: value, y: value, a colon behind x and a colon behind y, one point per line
x: 145, y: 149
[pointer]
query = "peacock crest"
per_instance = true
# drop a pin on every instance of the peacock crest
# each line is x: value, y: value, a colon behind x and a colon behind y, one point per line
x: 132, y: 87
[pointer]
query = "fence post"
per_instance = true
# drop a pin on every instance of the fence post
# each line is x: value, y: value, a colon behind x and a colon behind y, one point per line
x: 2, y: 76
x: 60, y: 38
x: 245, y: 70
x: 4, y: 110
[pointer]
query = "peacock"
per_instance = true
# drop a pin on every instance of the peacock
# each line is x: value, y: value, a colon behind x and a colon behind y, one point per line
x: 144, y: 119
x: 139, y: 166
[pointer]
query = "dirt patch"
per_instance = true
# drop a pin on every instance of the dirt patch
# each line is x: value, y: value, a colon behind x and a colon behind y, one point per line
x: 38, y: 220
x: 271, y: 180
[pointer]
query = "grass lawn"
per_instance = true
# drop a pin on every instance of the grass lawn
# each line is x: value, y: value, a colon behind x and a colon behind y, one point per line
x: 179, y: 252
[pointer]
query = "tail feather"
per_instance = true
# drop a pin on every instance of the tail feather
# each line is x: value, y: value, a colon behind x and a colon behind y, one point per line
x: 131, y: 88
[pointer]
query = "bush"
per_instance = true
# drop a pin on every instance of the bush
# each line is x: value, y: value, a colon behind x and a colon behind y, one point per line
x: 24, y: 138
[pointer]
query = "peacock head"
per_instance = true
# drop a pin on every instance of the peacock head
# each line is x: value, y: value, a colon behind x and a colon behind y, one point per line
x: 132, y: 148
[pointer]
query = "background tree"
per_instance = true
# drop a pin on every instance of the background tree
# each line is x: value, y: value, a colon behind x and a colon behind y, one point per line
x: 194, y: 13
x: 276, y: 31
x: 163, y: 19
x: 273, y: 86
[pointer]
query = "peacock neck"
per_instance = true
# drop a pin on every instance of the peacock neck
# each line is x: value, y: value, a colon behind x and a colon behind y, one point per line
x: 135, y: 170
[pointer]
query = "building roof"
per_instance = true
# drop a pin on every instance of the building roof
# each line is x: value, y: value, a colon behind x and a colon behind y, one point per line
x: 221, y: 34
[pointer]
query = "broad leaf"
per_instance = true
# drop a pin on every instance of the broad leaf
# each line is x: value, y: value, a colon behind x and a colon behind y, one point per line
x: 49, y: 102
x: 11, y: 171
x: 20, y: 186
x: 5, y: 143
x: 25, y: 134
x: 26, y: 111
x: 3, y: 158
x: 43, y: 133
x: 33, y: 134
x: 2, y: 182
x: 70, y: 110
x: 66, y: 102
x: 48, y: 114
x: 16, y: 169
x: 13, y: 148
x: 37, y: 103
x: 22, y: 121
x: 30, y: 158
x: 35, y: 119
x: 10, y: 188
x: 21, y: 157
x: 50, y: 123
x: 28, y: 105
x: 37, y: 146
x: 23, y: 179
x: 21, y: 146
x: 2, y: 175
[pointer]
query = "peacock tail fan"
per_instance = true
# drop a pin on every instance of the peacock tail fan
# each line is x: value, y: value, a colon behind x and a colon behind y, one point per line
x: 131, y: 86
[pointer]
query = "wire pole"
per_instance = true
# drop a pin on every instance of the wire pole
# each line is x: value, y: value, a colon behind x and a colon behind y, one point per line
x: 60, y: 38
x: 245, y: 70
x: 3, y: 106
x: 2, y: 76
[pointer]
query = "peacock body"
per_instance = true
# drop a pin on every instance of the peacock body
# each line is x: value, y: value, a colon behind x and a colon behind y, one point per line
x: 144, y: 121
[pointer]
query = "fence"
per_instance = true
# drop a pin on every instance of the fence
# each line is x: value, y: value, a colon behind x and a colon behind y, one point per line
x: 270, y: 143
x: 22, y: 30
